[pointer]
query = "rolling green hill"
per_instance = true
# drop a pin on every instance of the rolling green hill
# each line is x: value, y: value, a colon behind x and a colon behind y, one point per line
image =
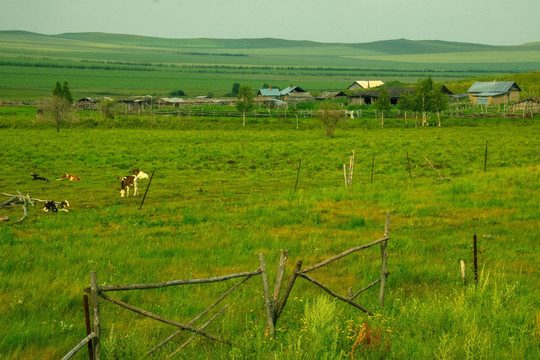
x: 116, y: 64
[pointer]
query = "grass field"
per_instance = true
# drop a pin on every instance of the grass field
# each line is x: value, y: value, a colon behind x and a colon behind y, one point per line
x: 97, y: 64
x: 223, y: 193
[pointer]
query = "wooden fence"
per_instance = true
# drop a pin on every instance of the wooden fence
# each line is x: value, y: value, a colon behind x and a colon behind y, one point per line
x: 274, y: 303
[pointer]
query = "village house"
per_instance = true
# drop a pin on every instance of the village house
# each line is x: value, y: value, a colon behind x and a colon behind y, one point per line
x: 493, y: 92
x: 295, y: 94
x: 365, y: 84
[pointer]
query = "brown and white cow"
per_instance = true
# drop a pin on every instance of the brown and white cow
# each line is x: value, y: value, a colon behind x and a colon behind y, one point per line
x: 70, y: 177
x: 140, y: 174
x: 125, y: 183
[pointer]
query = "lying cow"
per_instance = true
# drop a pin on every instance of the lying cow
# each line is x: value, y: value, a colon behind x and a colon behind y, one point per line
x: 70, y: 177
x: 37, y: 177
x: 51, y: 206
x: 125, y: 183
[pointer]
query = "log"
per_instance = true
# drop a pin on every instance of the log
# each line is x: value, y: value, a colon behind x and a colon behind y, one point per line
x: 162, y: 319
x: 173, y: 282
x: 433, y: 167
x: 343, y: 254
x: 201, y: 328
x: 352, y: 297
x: 356, y: 305
x: 76, y: 349
x: 198, y: 316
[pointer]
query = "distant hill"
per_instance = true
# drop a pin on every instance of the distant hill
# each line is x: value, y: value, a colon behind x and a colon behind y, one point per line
x: 97, y: 64
x: 389, y: 47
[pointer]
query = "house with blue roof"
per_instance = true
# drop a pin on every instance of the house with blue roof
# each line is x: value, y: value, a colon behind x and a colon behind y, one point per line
x: 494, y: 92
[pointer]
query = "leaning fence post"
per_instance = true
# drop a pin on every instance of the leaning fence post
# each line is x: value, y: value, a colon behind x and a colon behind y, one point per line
x: 268, y: 302
x: 95, y: 309
x: 279, y: 281
x: 88, y: 327
x: 288, y: 288
x: 384, y: 255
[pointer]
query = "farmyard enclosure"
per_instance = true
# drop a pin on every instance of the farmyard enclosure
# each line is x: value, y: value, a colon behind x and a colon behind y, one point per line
x: 223, y: 193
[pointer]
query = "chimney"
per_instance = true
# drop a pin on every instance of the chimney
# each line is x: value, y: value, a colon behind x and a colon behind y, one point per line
x: 270, y: 88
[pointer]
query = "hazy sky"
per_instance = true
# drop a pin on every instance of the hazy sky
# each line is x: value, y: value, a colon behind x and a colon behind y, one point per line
x: 497, y: 22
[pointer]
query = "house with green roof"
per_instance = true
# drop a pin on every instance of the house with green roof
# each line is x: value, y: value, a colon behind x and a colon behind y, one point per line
x: 269, y: 93
x: 494, y: 92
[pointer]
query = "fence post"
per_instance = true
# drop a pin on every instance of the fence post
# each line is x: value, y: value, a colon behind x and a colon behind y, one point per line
x: 384, y: 255
x: 268, y: 302
x: 95, y: 309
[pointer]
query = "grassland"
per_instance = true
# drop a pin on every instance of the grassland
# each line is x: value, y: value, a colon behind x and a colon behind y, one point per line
x: 223, y: 193
x: 97, y: 64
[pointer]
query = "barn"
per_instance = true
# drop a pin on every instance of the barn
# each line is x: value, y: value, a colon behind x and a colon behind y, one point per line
x: 371, y: 96
x: 493, y: 92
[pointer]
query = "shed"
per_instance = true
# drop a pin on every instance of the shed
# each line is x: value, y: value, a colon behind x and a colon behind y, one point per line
x: 493, y: 92
x: 365, y: 84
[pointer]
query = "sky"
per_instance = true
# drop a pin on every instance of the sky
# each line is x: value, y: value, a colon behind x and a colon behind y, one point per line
x: 492, y: 22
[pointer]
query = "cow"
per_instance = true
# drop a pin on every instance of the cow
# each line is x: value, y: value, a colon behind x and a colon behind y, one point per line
x: 140, y: 174
x: 125, y: 183
x: 70, y: 177
x: 37, y: 177
x: 51, y: 206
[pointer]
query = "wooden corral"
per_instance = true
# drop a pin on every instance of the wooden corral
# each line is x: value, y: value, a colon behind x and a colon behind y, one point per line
x: 529, y: 105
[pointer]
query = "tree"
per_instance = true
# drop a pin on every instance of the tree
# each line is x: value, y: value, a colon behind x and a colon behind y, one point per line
x: 439, y: 101
x: 63, y: 92
x: 383, y: 102
x: 59, y: 107
x: 405, y: 103
x: 59, y: 110
x: 330, y: 115
x: 235, y: 88
x: 422, y: 98
x: 244, y: 102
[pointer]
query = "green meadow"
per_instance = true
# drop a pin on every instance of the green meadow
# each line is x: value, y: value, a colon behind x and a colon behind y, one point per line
x: 98, y: 64
x: 223, y: 193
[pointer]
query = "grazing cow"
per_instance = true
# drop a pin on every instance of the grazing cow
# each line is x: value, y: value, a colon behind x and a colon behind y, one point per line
x: 55, y: 207
x: 37, y: 177
x: 140, y: 174
x: 70, y: 177
x: 125, y: 183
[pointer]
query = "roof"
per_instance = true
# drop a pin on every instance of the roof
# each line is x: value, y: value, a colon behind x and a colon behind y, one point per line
x: 367, y: 84
x: 331, y: 94
x: 488, y: 94
x: 291, y: 89
x: 171, y: 100
x: 493, y: 86
x: 269, y: 92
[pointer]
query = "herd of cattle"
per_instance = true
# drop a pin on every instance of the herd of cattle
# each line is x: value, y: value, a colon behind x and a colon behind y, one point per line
x: 126, y: 182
